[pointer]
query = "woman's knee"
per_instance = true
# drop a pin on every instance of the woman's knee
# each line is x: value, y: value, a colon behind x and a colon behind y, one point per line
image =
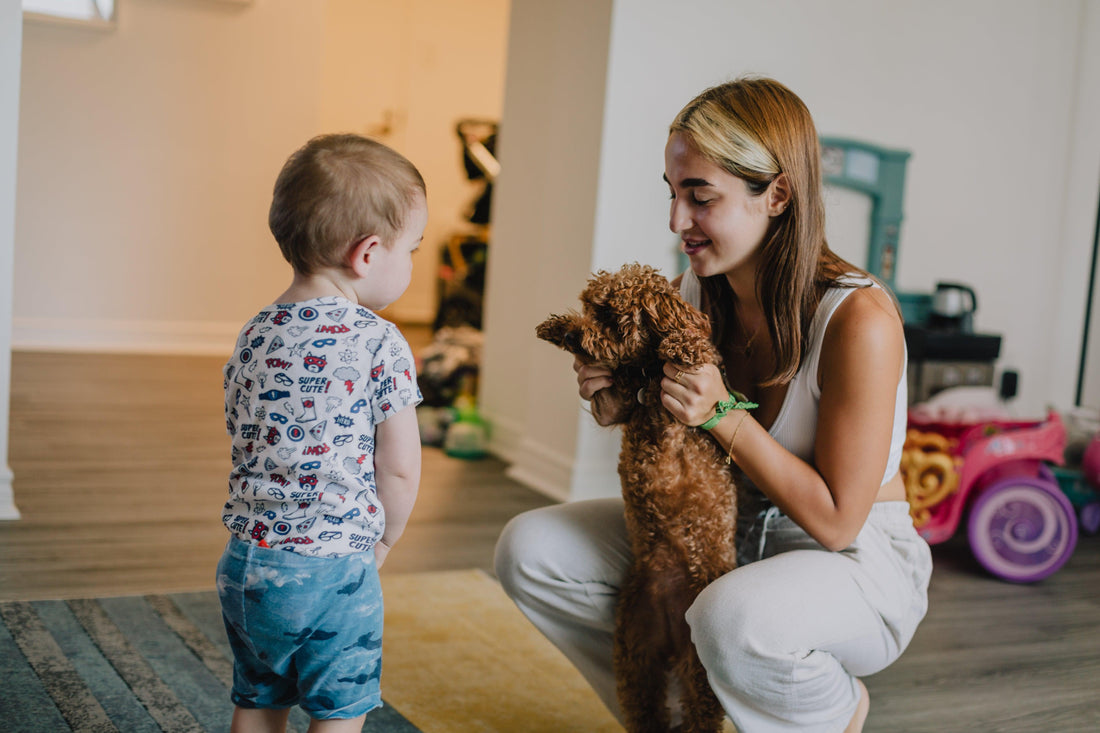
x: 517, y: 548
x: 730, y: 632
x: 717, y: 618
x: 563, y: 543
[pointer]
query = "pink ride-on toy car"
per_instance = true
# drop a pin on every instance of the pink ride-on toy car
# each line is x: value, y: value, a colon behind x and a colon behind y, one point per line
x: 1021, y: 526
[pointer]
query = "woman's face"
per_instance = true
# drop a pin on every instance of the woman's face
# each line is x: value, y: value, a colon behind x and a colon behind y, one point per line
x: 720, y: 223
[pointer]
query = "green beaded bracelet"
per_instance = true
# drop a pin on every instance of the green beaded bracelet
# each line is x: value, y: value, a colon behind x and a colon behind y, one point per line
x: 736, y: 401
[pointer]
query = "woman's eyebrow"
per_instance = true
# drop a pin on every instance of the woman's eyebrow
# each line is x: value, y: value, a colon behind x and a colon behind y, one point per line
x: 689, y: 182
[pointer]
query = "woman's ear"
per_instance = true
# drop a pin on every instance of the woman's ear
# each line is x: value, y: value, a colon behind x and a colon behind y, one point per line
x: 362, y: 253
x: 779, y: 195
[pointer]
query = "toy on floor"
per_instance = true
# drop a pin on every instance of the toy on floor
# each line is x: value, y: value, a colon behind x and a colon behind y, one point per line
x: 446, y: 367
x: 633, y: 320
x: 1080, y: 477
x: 1021, y: 526
x: 468, y: 435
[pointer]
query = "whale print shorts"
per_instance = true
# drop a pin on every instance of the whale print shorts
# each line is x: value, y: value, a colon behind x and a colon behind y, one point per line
x: 304, y: 630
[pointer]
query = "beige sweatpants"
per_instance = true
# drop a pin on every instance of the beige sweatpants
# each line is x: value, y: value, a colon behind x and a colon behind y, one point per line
x: 783, y: 637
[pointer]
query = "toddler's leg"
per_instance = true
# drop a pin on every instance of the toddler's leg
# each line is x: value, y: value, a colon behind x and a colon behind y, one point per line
x: 562, y: 565
x: 350, y: 725
x: 259, y: 720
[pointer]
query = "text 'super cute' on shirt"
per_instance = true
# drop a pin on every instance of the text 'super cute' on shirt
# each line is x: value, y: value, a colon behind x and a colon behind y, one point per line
x: 305, y: 387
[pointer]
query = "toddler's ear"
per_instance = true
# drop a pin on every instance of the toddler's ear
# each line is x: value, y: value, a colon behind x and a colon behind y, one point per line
x: 361, y: 254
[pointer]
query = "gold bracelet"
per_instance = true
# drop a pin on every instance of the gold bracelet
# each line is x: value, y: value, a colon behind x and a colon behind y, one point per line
x: 729, y: 455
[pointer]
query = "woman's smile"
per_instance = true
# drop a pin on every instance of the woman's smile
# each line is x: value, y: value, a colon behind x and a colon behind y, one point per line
x: 694, y: 246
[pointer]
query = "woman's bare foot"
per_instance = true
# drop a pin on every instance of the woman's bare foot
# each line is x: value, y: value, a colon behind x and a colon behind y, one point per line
x: 861, y: 709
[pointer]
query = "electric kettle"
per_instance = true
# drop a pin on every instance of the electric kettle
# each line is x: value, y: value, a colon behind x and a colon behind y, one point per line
x: 953, y: 306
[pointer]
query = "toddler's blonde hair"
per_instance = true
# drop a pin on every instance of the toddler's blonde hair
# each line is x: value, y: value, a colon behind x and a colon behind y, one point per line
x: 336, y: 190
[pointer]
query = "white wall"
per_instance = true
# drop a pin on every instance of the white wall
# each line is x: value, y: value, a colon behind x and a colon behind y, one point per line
x: 544, y: 217
x: 1081, y: 219
x: 11, y: 39
x: 989, y: 96
x: 147, y: 153
x: 418, y: 66
x: 146, y: 158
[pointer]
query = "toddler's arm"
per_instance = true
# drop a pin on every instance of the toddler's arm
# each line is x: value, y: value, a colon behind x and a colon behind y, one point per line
x: 397, y: 474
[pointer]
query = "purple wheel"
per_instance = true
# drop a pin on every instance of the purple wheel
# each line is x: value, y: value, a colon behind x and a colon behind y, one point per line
x: 1022, y: 529
x: 1090, y: 517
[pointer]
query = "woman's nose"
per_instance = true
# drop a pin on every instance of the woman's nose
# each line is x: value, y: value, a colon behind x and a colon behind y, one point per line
x: 678, y: 219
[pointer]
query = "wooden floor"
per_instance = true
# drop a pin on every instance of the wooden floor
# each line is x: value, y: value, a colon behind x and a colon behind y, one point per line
x: 120, y: 465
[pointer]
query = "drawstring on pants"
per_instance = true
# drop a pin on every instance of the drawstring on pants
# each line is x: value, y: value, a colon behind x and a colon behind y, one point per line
x: 768, y: 515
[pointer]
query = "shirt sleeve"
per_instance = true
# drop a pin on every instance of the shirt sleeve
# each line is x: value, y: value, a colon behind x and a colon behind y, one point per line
x: 395, y: 387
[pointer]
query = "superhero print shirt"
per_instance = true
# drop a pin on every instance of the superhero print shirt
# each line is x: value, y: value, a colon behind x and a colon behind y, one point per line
x: 305, y: 387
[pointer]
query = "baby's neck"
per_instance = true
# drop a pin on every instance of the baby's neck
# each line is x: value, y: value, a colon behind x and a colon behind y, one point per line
x: 315, y: 285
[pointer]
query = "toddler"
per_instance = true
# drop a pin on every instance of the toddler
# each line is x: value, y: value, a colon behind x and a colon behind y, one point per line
x: 319, y: 400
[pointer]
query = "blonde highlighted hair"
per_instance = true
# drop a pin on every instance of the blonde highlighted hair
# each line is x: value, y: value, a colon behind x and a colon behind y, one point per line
x: 757, y: 129
x: 334, y: 191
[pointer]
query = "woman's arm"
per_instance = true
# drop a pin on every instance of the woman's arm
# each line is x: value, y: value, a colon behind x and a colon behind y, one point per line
x: 396, y: 474
x: 861, y: 364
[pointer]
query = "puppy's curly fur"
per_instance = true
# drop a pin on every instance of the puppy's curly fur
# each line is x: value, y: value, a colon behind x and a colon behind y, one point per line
x: 679, y: 494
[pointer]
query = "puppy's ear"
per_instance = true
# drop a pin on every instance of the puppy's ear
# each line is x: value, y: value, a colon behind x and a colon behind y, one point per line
x: 690, y: 347
x: 563, y: 331
x: 599, y: 289
x: 682, y: 329
x: 633, y: 307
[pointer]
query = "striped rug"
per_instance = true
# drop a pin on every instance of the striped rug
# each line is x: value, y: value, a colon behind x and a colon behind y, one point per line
x: 458, y: 657
x: 132, y: 664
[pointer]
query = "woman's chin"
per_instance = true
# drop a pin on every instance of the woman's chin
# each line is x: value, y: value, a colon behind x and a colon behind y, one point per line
x: 701, y: 264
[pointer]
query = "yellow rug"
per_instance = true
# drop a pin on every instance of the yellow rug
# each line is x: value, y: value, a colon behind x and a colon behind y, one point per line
x: 459, y: 657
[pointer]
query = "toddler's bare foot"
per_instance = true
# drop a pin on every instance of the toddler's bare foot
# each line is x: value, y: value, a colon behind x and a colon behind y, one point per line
x: 861, y: 710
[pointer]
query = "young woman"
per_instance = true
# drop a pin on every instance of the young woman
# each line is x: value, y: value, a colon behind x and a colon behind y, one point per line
x: 833, y: 577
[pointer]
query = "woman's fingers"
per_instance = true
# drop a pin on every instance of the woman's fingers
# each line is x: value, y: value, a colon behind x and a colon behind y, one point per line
x: 680, y: 382
x: 689, y: 392
x: 680, y: 374
x: 591, y: 378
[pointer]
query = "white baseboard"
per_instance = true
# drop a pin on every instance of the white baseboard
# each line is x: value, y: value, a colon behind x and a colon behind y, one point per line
x: 504, y: 437
x: 542, y: 469
x: 547, y: 472
x: 539, y: 479
x: 205, y: 338
x: 197, y: 338
x: 7, y: 496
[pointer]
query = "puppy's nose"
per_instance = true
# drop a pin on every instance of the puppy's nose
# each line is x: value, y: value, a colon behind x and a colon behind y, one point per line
x: 572, y: 341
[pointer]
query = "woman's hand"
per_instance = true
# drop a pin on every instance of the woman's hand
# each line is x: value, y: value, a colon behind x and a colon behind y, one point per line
x: 594, y: 380
x: 690, y: 394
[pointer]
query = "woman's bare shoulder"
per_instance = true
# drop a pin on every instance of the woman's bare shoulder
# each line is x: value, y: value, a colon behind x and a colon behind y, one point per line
x: 869, y: 306
x: 867, y: 322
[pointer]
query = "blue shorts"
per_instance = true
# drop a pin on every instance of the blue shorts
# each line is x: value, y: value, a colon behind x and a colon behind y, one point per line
x: 304, y: 630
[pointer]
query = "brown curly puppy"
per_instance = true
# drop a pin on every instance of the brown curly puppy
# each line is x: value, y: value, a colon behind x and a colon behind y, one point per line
x: 679, y: 494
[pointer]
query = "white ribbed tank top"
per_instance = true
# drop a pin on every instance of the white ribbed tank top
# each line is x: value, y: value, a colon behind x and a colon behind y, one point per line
x: 795, y: 426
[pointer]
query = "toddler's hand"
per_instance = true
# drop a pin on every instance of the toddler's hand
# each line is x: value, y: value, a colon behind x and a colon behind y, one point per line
x: 381, y: 549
